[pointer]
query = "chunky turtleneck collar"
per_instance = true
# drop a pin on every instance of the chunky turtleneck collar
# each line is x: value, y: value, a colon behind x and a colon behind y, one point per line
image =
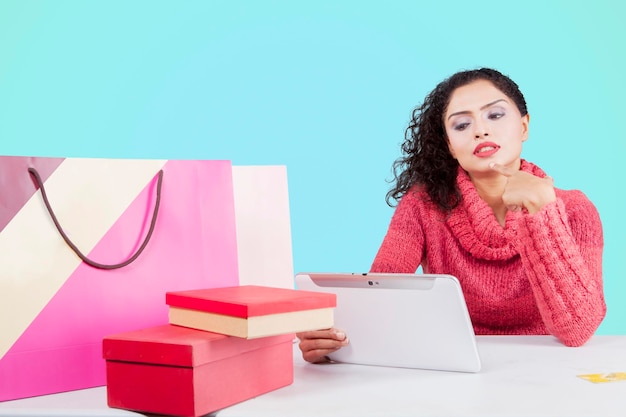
x: 475, y: 225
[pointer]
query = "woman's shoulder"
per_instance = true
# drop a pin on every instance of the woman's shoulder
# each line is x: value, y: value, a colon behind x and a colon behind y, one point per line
x: 415, y: 196
x: 576, y: 202
x: 417, y: 202
x: 572, y: 197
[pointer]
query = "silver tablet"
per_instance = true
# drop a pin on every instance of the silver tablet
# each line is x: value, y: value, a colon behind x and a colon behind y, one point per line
x: 400, y: 320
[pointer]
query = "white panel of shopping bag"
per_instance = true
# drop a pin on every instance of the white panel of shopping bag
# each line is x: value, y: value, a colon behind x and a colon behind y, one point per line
x: 263, y: 226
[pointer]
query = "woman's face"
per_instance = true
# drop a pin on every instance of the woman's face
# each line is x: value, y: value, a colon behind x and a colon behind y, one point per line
x: 484, y: 125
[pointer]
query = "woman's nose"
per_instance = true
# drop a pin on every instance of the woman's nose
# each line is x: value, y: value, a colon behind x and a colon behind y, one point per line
x: 480, y: 130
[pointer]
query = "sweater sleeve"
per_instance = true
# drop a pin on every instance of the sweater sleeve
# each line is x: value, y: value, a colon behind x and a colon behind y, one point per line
x: 561, y: 250
x: 402, y: 247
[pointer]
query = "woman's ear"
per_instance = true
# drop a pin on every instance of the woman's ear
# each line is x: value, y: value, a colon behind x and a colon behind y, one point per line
x: 525, y: 123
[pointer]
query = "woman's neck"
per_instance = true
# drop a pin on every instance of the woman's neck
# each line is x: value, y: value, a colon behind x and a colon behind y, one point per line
x: 490, y: 189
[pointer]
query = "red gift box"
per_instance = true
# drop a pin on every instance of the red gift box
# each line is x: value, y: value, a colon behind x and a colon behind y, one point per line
x: 185, y: 372
x: 251, y: 311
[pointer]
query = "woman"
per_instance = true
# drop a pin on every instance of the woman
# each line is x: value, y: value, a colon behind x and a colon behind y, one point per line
x: 528, y: 255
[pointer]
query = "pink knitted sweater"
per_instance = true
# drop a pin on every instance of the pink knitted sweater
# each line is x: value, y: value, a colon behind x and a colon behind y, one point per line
x: 540, y: 274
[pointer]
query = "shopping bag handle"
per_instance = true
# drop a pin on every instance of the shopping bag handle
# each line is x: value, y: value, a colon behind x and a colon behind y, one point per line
x: 67, y: 240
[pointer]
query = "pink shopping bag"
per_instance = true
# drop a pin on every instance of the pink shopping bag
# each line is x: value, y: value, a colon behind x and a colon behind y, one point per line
x: 172, y: 222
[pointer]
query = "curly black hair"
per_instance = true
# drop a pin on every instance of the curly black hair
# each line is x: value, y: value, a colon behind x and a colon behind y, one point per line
x: 426, y: 159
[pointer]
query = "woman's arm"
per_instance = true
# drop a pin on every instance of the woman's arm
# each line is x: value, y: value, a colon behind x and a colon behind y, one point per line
x: 561, y: 250
x: 402, y: 248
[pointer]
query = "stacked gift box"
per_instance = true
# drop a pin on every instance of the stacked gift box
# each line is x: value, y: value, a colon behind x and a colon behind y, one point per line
x: 221, y: 346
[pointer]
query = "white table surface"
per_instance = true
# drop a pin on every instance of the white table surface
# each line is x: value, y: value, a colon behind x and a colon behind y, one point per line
x: 522, y: 376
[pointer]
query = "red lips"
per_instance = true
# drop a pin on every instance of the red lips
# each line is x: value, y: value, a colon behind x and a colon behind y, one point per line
x: 485, y: 149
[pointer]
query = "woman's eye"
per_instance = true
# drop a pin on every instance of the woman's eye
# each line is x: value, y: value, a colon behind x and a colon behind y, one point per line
x: 496, y: 115
x: 461, y: 126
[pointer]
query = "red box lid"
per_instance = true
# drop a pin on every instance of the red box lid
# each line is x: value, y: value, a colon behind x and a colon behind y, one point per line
x: 180, y: 346
x: 250, y: 300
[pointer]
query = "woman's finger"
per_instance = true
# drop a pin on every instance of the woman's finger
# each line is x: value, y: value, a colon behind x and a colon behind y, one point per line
x: 506, y: 171
x: 316, y: 345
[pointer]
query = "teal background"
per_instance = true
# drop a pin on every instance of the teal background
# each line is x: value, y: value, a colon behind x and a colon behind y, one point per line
x: 324, y: 87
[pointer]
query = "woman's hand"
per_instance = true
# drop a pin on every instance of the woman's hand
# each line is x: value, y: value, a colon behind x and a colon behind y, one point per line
x: 316, y: 345
x: 524, y: 190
